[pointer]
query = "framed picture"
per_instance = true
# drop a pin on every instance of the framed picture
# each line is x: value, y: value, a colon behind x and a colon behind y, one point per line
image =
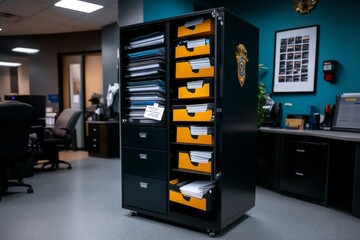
x: 295, y: 60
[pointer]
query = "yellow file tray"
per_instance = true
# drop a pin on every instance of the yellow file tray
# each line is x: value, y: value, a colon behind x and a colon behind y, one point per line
x: 183, y: 136
x: 204, y: 91
x: 183, y: 51
x: 204, y: 204
x: 205, y: 28
x: 181, y: 114
x: 185, y: 163
x: 184, y: 70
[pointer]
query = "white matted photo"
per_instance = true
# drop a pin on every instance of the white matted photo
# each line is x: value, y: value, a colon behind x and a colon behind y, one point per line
x: 295, y: 60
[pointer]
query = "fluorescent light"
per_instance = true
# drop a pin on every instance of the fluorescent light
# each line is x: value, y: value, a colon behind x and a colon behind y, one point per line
x: 25, y: 50
x: 10, y: 64
x: 0, y: 29
x: 78, y: 5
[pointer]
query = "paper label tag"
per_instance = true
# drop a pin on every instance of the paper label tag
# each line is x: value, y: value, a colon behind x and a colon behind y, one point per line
x: 154, y: 112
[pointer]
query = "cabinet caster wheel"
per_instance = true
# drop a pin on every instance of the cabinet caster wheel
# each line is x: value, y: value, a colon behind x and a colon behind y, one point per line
x: 211, y: 233
x: 133, y: 213
x: 30, y: 190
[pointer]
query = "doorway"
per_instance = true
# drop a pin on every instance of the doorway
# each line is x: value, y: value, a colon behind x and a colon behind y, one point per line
x: 81, y: 78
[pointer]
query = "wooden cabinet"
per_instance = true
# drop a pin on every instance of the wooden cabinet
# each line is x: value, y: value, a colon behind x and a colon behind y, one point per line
x: 103, y: 139
x: 180, y: 64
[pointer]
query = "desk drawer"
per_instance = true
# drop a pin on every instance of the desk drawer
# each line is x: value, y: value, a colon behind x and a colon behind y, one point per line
x: 146, y: 163
x: 303, y: 169
x: 145, y: 193
x: 144, y: 137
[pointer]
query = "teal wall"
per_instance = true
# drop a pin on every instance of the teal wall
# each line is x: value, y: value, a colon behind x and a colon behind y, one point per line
x: 339, y: 39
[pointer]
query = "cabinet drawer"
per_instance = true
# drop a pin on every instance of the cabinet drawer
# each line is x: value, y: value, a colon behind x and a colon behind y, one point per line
x: 145, y: 193
x: 142, y: 162
x: 94, y: 130
x: 184, y: 70
x: 204, y: 28
x: 180, y: 113
x: 144, y: 137
x: 206, y: 90
x: 303, y: 169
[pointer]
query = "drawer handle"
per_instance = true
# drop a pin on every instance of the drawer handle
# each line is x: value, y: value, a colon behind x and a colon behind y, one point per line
x: 300, y: 150
x: 299, y: 174
x: 94, y: 140
x: 142, y: 135
x: 143, y: 156
x: 143, y: 184
x: 94, y: 145
x: 94, y: 129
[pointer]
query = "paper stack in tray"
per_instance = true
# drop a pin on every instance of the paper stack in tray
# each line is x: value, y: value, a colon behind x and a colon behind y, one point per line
x: 201, y: 156
x: 197, y: 188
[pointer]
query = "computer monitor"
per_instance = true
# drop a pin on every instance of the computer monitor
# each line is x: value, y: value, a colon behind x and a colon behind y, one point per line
x: 38, y: 102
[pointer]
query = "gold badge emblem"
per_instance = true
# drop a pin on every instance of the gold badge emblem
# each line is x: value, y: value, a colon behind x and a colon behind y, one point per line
x: 241, y: 58
x: 304, y: 6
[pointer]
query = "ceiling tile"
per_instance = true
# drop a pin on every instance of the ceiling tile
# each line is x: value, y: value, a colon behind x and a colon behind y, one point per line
x: 27, y: 8
x: 58, y: 15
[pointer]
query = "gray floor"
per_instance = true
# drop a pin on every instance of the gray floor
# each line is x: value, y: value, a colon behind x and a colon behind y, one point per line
x: 84, y: 203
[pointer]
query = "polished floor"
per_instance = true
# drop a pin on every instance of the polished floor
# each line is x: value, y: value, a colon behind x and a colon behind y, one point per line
x: 84, y: 203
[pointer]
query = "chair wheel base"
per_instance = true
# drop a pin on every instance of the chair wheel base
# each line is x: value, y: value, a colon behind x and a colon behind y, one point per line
x: 30, y: 190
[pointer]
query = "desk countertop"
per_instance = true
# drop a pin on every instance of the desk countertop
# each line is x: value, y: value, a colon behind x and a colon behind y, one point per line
x: 336, y: 135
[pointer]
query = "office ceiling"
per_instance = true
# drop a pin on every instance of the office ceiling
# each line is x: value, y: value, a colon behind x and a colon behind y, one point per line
x: 25, y: 17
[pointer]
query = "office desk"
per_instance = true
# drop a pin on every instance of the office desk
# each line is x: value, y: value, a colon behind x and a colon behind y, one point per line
x: 330, y: 173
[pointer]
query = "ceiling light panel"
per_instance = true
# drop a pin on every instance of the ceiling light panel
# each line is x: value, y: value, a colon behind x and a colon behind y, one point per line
x: 78, y: 5
x: 25, y: 50
x: 9, y: 64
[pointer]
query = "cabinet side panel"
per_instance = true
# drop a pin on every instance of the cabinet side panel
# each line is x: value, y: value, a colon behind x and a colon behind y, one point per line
x: 238, y: 122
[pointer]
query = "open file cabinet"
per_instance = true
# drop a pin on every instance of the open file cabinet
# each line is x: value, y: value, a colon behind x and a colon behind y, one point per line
x: 155, y: 154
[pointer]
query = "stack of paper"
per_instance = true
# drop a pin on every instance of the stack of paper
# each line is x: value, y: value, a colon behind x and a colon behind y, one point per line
x: 200, y: 63
x: 194, y: 43
x: 201, y: 130
x: 193, y: 108
x: 197, y: 189
x: 146, y: 40
x: 146, y: 63
x: 140, y: 95
x: 194, y: 84
x: 201, y: 156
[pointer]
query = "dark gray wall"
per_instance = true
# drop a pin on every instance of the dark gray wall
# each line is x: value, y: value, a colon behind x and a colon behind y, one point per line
x: 109, y: 46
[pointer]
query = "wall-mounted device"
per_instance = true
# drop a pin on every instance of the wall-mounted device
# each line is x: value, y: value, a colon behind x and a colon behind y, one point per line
x: 329, y: 69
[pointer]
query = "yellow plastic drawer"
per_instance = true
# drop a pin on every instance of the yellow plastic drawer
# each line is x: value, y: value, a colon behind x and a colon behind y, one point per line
x: 204, y: 204
x: 183, y: 70
x: 183, y: 136
x: 185, y: 163
x: 202, y: 92
x: 183, y: 51
x: 181, y: 114
x: 206, y: 28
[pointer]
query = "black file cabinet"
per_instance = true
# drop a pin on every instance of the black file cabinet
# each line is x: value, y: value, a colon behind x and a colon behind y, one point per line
x: 303, y: 167
x: 103, y: 139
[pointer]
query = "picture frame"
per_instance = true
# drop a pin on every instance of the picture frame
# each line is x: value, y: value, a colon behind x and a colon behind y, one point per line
x: 295, y: 60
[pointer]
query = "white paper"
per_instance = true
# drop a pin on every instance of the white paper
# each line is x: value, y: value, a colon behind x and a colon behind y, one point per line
x: 154, y: 112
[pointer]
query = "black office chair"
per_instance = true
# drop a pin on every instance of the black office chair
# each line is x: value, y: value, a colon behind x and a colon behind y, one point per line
x: 60, y: 137
x: 15, y: 125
